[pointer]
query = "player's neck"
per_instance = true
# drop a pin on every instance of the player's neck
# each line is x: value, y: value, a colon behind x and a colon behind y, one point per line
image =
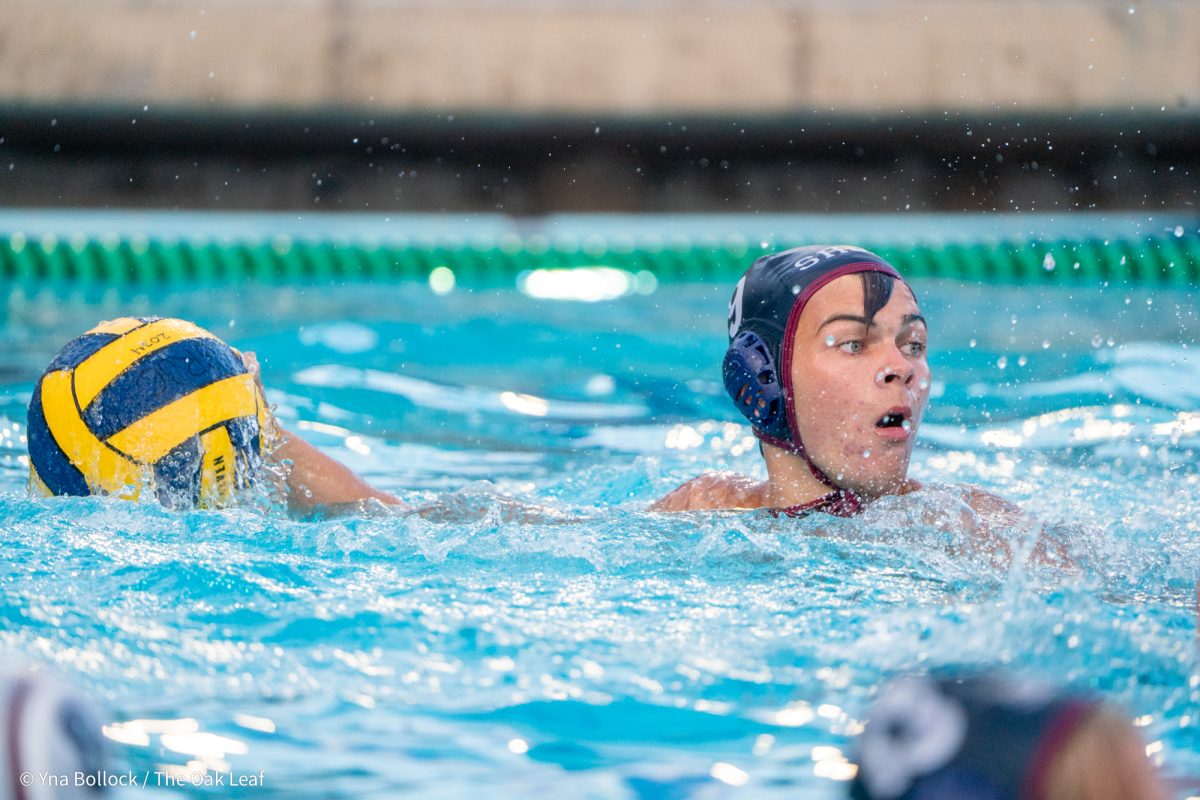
x: 790, y: 481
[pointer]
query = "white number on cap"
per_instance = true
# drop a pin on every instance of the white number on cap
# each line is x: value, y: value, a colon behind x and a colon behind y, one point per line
x: 735, y: 308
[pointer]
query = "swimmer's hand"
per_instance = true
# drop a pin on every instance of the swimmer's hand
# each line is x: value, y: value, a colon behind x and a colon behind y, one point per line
x: 311, y: 478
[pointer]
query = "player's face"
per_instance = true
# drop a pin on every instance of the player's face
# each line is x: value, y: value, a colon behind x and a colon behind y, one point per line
x: 860, y: 391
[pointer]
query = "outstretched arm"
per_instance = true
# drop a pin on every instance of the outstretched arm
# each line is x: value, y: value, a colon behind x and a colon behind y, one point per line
x: 313, y: 479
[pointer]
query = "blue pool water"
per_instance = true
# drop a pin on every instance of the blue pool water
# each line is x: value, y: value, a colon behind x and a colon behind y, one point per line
x: 536, y: 633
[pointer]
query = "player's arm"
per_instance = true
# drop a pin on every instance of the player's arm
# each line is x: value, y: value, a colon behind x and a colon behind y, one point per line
x: 311, y: 478
x: 314, y: 479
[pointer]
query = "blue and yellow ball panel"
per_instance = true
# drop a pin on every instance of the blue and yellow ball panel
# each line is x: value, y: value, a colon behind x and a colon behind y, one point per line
x: 51, y: 469
x: 159, y: 379
x: 177, y: 475
x: 139, y: 402
x: 79, y: 350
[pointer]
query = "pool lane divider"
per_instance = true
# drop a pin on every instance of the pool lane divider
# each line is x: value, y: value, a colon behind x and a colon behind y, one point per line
x: 1165, y: 259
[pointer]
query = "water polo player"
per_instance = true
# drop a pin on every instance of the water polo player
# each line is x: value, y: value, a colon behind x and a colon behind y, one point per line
x: 986, y: 737
x: 141, y: 403
x: 827, y: 361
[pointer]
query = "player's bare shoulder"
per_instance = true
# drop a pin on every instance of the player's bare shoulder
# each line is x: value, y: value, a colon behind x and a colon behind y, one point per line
x: 714, y: 490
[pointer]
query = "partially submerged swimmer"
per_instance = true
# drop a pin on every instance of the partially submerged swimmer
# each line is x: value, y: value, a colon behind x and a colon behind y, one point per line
x: 827, y: 361
x: 837, y: 425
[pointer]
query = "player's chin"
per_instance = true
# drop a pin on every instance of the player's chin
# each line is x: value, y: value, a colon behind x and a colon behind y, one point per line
x: 882, y: 474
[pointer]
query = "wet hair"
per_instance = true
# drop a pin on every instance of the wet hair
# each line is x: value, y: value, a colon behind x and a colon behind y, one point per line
x: 877, y: 291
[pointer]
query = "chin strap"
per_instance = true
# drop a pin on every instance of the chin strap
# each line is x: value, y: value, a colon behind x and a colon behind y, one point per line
x: 839, y: 503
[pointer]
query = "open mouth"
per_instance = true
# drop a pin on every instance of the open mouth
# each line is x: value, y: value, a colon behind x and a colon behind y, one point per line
x: 892, y: 419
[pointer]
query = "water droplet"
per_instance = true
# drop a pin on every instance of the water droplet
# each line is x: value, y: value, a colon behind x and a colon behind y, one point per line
x: 1045, y: 344
x: 192, y: 34
x: 1131, y: 10
x: 1122, y: 260
x: 1022, y: 361
x: 1178, y: 231
x: 1002, y: 362
x: 867, y: 453
x: 880, y: 375
x: 1097, y: 340
x: 972, y: 344
x: 906, y: 425
x: 796, y: 289
x: 923, y: 383
x: 1048, y: 263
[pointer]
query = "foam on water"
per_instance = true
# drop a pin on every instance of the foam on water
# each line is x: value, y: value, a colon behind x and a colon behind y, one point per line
x: 532, y: 631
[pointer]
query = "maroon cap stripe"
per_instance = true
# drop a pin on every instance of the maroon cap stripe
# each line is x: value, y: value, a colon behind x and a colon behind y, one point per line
x: 1050, y: 744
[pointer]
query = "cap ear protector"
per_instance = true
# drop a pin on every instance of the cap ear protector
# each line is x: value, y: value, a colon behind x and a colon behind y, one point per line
x: 753, y: 382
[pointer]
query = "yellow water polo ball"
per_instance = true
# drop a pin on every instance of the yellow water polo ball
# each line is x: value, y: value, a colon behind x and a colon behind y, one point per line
x: 146, y: 402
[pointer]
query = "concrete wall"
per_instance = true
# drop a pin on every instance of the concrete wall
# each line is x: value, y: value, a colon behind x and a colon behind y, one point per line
x: 624, y: 57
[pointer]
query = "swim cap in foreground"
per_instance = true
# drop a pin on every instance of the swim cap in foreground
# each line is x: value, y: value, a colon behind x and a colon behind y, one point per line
x: 52, y: 736
x: 146, y: 401
x: 980, y: 738
x: 763, y: 314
